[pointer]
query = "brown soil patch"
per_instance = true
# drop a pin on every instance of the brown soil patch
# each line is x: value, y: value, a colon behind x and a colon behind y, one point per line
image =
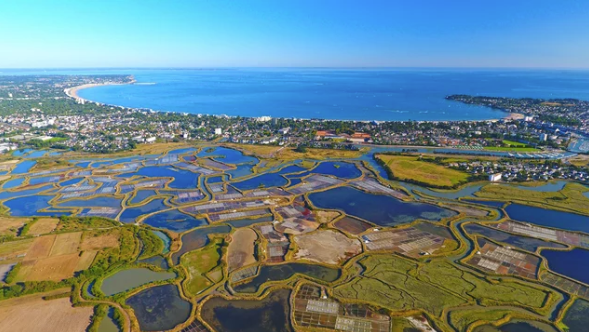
x: 41, y: 247
x: 35, y: 314
x: 241, y: 249
x: 43, y: 226
x: 326, y: 216
x: 328, y: 247
x: 352, y: 225
x: 66, y: 244
x: 11, y: 225
x: 86, y: 260
x: 54, y: 268
x: 110, y: 240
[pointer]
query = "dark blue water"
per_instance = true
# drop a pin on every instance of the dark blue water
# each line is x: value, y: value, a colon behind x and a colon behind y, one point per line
x: 380, y: 209
x: 29, y: 206
x: 522, y: 242
x: 371, y: 94
x: 23, y: 167
x: 267, y: 180
x: 338, y: 169
x: 182, y: 179
x: 173, y: 220
x: 130, y: 214
x: 141, y: 195
x: 227, y: 156
x: 550, y: 218
x: 569, y: 263
x: 159, y: 308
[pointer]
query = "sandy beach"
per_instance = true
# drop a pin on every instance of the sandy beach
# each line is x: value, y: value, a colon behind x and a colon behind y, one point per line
x: 73, y: 92
x: 514, y: 116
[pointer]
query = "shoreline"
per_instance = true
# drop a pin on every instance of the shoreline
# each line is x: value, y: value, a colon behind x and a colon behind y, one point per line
x: 73, y: 93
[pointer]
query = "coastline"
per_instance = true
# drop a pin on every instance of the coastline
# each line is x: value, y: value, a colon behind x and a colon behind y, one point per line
x: 73, y: 93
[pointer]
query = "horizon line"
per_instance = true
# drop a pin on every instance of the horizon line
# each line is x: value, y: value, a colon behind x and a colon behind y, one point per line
x: 297, y: 67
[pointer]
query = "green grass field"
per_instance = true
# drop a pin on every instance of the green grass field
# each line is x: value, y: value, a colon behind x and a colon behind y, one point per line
x: 570, y: 198
x: 199, y: 263
x: 400, y: 284
x: 411, y: 168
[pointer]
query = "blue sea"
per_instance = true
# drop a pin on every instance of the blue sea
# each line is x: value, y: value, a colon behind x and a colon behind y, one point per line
x: 350, y: 94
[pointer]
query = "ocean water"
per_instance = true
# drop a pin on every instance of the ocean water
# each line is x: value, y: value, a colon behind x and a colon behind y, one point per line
x: 352, y: 94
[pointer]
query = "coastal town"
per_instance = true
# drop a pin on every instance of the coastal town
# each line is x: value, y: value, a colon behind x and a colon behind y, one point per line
x: 46, y: 112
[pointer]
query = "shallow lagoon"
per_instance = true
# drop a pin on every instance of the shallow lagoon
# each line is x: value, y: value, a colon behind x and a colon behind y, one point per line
x: 550, y: 218
x: 159, y: 308
x: 13, y: 183
x: 23, y: 167
x: 522, y: 242
x: 174, y: 220
x: 142, y: 195
x: 29, y: 206
x: 8, y: 194
x: 270, y: 314
x: 285, y: 271
x: 379, y: 209
x: 267, y: 180
x: 165, y: 238
x: 131, y: 278
x: 157, y: 260
x: 572, y: 263
x: 546, y: 187
x: 338, y: 169
x: 182, y: 179
x: 198, y: 238
x: 228, y: 156
x: 130, y: 214
x: 241, y: 171
x: 576, y: 318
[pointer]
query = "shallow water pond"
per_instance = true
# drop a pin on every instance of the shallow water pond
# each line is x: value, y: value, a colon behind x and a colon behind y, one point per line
x: 285, y: 271
x: 128, y: 279
x: 572, y: 263
x: 338, y: 169
x: 198, y: 238
x: 268, y: 315
x: 522, y: 242
x: 174, y: 220
x: 379, y: 209
x: 267, y: 180
x: 130, y: 214
x: 159, y: 308
x: 550, y: 218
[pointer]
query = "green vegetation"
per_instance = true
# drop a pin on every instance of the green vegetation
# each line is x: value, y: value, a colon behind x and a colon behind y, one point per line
x: 25, y: 229
x: 201, y: 262
x: 421, y: 171
x: 81, y: 223
x: 100, y: 312
x: 152, y: 244
x: 432, y: 286
x: 570, y: 198
x: 10, y: 276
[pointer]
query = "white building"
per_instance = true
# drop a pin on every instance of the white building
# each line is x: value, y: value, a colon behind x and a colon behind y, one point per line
x: 218, y: 131
x: 150, y: 140
x: 495, y: 177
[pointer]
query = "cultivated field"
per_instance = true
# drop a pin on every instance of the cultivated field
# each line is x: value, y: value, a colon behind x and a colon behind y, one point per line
x: 53, y: 268
x: 241, y: 249
x: 413, y: 169
x: 66, y: 243
x: 93, y: 241
x: 328, y: 247
x: 32, y: 313
x: 86, y: 260
x: 10, y: 225
x: 41, y: 248
x: 43, y: 226
x: 9, y: 251
x: 325, y: 217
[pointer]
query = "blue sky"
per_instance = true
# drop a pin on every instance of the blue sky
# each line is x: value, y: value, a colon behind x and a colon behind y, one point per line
x: 294, y: 33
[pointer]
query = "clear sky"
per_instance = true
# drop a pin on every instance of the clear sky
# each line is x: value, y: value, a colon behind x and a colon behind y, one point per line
x: 293, y: 33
